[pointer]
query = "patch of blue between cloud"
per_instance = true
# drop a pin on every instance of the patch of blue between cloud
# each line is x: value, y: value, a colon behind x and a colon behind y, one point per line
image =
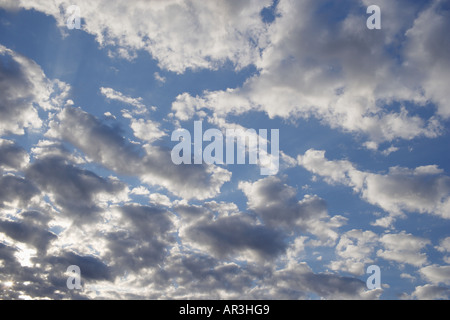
x: 268, y: 14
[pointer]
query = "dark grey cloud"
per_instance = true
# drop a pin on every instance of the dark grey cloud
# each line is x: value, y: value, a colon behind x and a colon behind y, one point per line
x: 74, y: 189
x: 12, y: 156
x: 29, y: 233
x: 92, y: 268
x: 142, y: 241
x: 14, y: 188
x: 300, y: 282
x: 235, y: 235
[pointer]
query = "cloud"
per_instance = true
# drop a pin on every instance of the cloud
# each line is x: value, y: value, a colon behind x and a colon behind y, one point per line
x: 112, y: 94
x: 277, y: 205
x: 355, y: 250
x: 180, y: 34
x: 27, y: 232
x: 426, y: 48
x: 141, y: 239
x: 152, y: 164
x: 12, y: 156
x: 16, y: 191
x: 147, y: 130
x: 299, y: 282
x: 429, y: 292
x: 76, y: 192
x: 436, y: 274
x: 404, y: 248
x: 229, y: 236
x: 159, y: 78
x: 423, y: 189
x: 24, y: 87
x: 91, y: 267
x: 338, y: 71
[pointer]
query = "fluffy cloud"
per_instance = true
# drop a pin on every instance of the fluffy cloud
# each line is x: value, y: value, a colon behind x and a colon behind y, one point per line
x: 277, y: 205
x: 236, y: 235
x: 355, y: 251
x: 423, y: 189
x: 180, y: 34
x: 429, y: 292
x: 436, y: 274
x: 427, y: 50
x: 404, y: 248
x: 342, y: 73
x: 310, y: 65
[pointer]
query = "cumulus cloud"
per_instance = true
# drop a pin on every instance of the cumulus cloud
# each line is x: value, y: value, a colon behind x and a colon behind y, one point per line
x: 277, y: 205
x: 429, y: 292
x: 355, y: 251
x: 341, y: 73
x: 404, y: 248
x: 424, y: 189
x: 444, y: 247
x: 436, y: 274
x: 147, y: 130
x: 236, y: 235
x: 427, y: 49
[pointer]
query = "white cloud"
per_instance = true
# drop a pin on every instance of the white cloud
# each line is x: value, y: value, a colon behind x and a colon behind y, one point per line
x: 160, y: 199
x: 355, y: 251
x: 147, y: 130
x: 436, y: 274
x: 140, y: 191
x: 339, y: 72
x: 429, y: 292
x: 404, y: 248
x: 423, y: 189
x: 427, y: 50
x: 112, y: 94
x: 180, y: 34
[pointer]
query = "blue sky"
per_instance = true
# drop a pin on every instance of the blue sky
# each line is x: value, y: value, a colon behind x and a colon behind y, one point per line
x: 87, y: 179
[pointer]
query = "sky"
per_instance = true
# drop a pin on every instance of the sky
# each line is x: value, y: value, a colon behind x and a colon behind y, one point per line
x: 87, y: 178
